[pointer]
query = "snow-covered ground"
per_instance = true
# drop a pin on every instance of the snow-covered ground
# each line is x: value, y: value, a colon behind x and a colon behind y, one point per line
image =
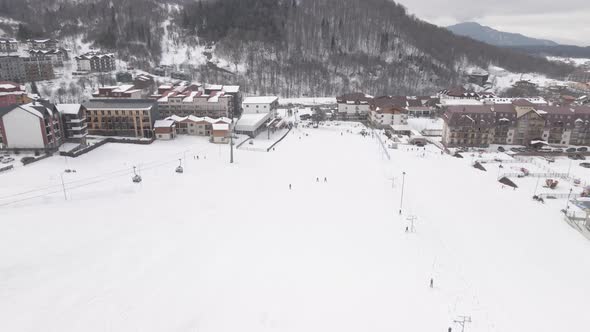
x: 420, y: 124
x: 226, y: 247
x: 308, y: 101
x: 503, y: 79
x: 574, y: 61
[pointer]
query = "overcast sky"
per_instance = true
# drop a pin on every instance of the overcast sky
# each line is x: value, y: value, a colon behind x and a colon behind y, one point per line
x: 563, y: 21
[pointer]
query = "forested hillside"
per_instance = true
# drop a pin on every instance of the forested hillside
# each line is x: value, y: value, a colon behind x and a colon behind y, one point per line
x: 286, y: 47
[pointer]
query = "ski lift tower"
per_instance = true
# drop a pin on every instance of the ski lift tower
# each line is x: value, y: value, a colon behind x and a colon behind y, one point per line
x: 462, y: 321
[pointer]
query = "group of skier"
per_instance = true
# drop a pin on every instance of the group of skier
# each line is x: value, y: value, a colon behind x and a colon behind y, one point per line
x: 317, y: 179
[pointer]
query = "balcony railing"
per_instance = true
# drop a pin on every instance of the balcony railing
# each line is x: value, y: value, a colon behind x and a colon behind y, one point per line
x: 75, y: 120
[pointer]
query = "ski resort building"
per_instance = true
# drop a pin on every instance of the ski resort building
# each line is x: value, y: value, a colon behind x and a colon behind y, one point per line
x: 12, y: 68
x: 8, y: 45
x: 261, y: 105
x: 388, y: 111
x: 13, y: 93
x: 357, y: 104
x: 34, y: 126
x: 165, y: 129
x: 252, y: 124
x: 38, y: 69
x: 196, y: 126
x: 43, y: 44
x: 20, y: 69
x: 121, y: 91
x: 96, y: 62
x: 75, y: 127
x: 121, y: 117
x: 56, y: 55
x: 221, y: 132
x: 518, y: 123
x: 422, y: 106
x: 193, y: 99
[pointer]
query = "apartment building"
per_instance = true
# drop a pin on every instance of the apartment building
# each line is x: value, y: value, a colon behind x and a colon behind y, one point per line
x: 471, y: 126
x: 96, y: 62
x: 35, y: 125
x: 518, y: 123
x: 75, y: 127
x: 121, y: 117
x: 388, y: 111
x: 357, y: 103
x: 193, y: 99
x: 12, y: 68
x: 8, y: 45
x: 121, y: 91
x: 13, y: 93
x: 38, y: 69
x: 261, y: 104
x: 56, y: 55
x: 43, y: 44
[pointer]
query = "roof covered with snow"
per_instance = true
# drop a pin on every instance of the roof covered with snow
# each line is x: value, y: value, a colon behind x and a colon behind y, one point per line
x: 139, y: 104
x: 250, y: 122
x: 163, y: 123
x: 260, y: 100
x: 220, y: 126
x: 68, y: 108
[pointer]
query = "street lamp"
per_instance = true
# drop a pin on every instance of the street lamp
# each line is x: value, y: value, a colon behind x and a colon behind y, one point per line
x: 402, y: 198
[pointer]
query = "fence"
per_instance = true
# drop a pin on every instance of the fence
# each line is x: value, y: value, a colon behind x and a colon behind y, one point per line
x: 36, y: 159
x: 6, y: 168
x: 564, y: 176
x: 558, y: 195
x: 578, y: 223
x: 279, y: 141
x: 382, y: 144
x: 79, y: 152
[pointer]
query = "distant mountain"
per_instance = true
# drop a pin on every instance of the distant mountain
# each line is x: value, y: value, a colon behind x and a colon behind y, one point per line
x: 494, y: 37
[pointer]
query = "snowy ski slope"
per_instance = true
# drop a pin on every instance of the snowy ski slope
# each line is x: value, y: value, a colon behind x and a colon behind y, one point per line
x: 230, y: 248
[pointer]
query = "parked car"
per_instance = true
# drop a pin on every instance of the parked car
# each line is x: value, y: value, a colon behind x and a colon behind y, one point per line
x: 585, y: 165
x: 557, y: 150
x: 583, y: 149
x: 572, y: 156
x: 7, y: 160
x: 571, y: 150
x: 514, y: 150
x: 501, y: 149
x: 580, y: 157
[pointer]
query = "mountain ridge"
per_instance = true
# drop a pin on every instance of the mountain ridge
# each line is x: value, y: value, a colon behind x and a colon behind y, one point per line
x: 495, y: 37
x: 286, y: 47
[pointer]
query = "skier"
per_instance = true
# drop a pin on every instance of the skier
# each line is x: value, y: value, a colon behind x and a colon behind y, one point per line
x: 289, y: 186
x: 450, y: 329
x: 406, y: 229
x: 325, y: 179
x: 197, y: 157
x: 317, y: 179
x: 431, y: 283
